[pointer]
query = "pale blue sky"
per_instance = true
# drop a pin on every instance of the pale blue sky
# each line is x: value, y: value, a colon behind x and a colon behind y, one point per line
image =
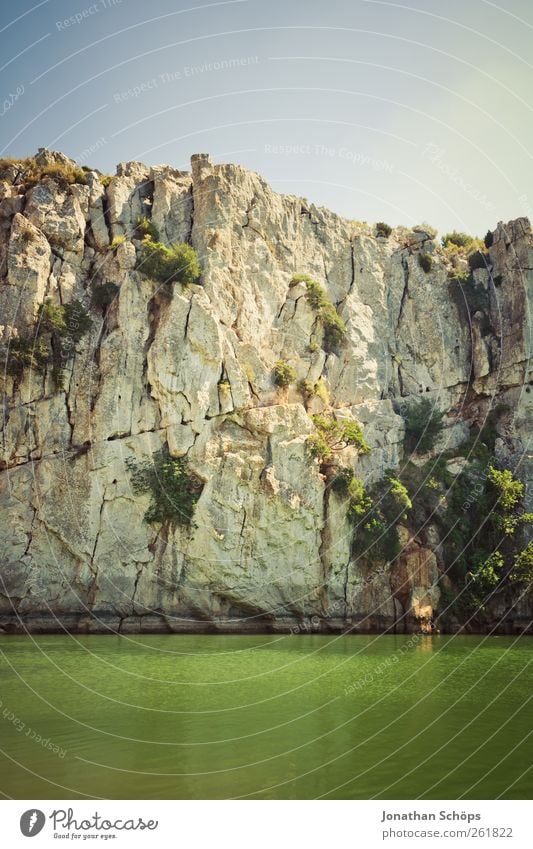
x: 390, y: 111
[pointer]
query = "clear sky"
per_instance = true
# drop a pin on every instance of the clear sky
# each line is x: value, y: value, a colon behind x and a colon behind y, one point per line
x: 402, y: 112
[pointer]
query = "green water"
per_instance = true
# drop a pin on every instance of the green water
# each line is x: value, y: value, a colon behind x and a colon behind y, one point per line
x: 266, y: 717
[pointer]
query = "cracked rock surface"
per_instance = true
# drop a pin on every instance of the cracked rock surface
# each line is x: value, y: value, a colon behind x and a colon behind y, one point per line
x: 194, y: 372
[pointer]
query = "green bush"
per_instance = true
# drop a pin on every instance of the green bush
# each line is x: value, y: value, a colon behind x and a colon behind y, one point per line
x: 461, y: 240
x: 116, y: 242
x: 376, y: 540
x: 176, y: 264
x: 425, y: 229
x: 69, y: 322
x: 360, y: 502
x: 300, y: 278
x: 393, y: 497
x: 374, y: 514
x: 378, y: 532
x: 506, y: 493
x: 284, y: 374
x: 423, y: 424
x: 173, y: 489
x: 314, y: 389
x: 507, y: 489
x: 146, y: 227
x: 460, y: 278
x: 478, y: 259
x: 32, y: 172
x: 341, y: 480
x: 522, y: 568
x: 480, y: 583
x: 104, y: 294
x: 334, y: 326
x: 479, y: 517
x: 375, y: 536
x: 316, y: 294
x: 425, y: 261
x: 333, y: 435
x: 63, y: 174
x: 25, y: 353
x: 383, y: 229
x: 51, y: 318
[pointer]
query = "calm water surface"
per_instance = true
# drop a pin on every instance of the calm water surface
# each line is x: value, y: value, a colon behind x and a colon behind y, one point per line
x: 266, y: 717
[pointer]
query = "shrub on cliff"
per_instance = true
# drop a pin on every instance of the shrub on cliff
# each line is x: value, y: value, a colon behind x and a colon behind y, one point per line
x: 333, y: 325
x: 522, y: 568
x: 116, y: 242
x: 314, y: 389
x: 478, y: 259
x: 507, y: 489
x: 173, y: 489
x: 383, y: 229
x: 334, y: 328
x: 146, y: 227
x: 69, y: 322
x: 23, y: 353
x: 481, y: 514
x: 375, y: 513
x: 489, y: 239
x: 423, y: 424
x: 393, y: 496
x: 284, y: 374
x: 341, y: 480
x: 67, y: 325
x: 31, y: 172
x: 316, y: 294
x: 51, y: 318
x: 299, y: 278
x: 378, y: 531
x: 426, y: 229
x: 506, y: 493
x: 460, y: 240
x: 175, y: 264
x: 481, y: 582
x: 334, y: 435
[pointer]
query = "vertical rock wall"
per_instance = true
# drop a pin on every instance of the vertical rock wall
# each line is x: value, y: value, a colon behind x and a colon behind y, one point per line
x: 194, y: 372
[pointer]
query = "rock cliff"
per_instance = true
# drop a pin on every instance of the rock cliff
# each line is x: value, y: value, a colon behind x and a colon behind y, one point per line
x: 270, y: 545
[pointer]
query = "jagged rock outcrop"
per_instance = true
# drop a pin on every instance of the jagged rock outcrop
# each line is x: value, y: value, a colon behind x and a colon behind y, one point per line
x: 194, y: 372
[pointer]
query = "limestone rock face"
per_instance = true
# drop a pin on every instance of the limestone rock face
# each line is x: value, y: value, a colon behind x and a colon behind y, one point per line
x: 270, y: 546
x: 29, y: 261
